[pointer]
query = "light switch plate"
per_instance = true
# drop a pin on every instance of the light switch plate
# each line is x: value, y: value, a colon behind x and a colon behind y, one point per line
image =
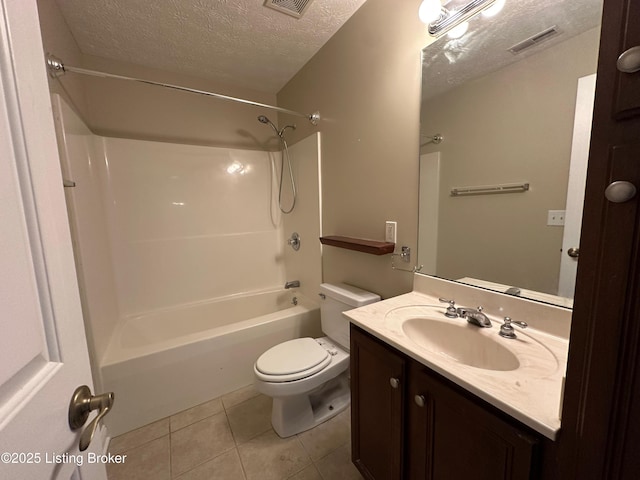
x: 390, y: 229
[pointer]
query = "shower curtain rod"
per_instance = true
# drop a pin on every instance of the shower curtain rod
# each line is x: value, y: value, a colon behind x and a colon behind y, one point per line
x: 57, y: 68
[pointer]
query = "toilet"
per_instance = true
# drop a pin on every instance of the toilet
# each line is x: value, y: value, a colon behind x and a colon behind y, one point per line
x: 308, y: 378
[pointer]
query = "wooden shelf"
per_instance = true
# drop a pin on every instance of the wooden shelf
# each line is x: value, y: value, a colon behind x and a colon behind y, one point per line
x: 359, y: 244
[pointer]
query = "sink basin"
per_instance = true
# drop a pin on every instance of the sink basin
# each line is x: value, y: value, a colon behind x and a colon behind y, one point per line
x: 461, y: 342
x: 455, y: 340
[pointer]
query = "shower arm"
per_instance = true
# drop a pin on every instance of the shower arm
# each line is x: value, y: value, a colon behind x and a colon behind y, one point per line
x: 57, y: 68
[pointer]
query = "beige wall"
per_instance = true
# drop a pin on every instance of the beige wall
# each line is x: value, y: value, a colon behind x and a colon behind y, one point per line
x: 366, y: 84
x: 510, y: 126
x: 123, y: 109
x: 144, y: 112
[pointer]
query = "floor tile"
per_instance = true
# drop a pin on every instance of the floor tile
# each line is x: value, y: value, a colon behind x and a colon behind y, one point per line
x: 199, y: 442
x: 309, y: 473
x: 269, y: 457
x: 337, y: 465
x: 250, y: 418
x: 224, y: 467
x: 192, y: 415
x: 326, y: 437
x: 149, y: 461
x: 238, y: 396
x: 137, y: 437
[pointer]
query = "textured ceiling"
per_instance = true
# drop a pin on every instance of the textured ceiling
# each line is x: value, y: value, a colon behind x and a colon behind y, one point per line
x: 484, y: 48
x: 240, y: 42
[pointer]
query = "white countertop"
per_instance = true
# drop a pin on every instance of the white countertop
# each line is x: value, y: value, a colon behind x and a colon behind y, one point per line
x: 531, y: 394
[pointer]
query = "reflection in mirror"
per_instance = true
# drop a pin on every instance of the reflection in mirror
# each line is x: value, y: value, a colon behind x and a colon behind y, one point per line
x: 512, y: 99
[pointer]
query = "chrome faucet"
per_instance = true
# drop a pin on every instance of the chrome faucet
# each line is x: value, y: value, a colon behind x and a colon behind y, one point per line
x: 292, y: 284
x: 472, y: 315
x: 475, y: 316
x: 507, y: 330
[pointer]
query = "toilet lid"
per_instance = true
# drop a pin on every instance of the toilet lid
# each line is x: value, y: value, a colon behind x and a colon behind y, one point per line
x: 294, y: 359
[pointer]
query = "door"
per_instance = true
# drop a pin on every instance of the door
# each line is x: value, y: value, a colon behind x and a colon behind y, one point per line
x: 601, y: 412
x: 576, y: 186
x: 43, y: 352
x: 429, y: 198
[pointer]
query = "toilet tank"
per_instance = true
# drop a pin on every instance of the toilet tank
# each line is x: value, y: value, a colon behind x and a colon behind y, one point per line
x: 336, y: 298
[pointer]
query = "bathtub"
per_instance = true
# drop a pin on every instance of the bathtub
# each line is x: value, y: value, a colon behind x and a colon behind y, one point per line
x: 163, y: 362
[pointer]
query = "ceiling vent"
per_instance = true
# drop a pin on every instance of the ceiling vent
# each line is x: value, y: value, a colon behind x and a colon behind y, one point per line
x: 295, y: 8
x: 535, y: 40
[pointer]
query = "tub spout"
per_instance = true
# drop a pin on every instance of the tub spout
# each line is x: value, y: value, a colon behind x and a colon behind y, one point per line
x: 292, y: 284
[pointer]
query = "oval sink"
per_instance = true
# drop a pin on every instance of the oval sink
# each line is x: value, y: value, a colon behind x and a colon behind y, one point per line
x: 461, y: 342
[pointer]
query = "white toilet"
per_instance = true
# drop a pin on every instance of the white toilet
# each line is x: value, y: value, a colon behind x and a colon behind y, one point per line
x: 309, y: 378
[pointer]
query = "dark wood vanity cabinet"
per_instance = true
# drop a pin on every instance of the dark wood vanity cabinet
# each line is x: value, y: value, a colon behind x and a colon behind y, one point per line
x: 378, y: 375
x: 427, y: 428
x: 451, y: 437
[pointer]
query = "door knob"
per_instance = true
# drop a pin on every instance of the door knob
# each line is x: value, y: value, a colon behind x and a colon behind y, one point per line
x: 82, y: 402
x: 573, y: 252
x: 620, y: 191
x: 629, y: 61
x: 394, y: 382
x: 420, y: 400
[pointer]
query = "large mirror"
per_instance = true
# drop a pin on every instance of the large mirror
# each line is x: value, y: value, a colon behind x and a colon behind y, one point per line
x: 501, y: 194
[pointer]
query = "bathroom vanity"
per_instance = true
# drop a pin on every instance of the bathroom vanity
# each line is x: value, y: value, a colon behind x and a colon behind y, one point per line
x: 429, y: 411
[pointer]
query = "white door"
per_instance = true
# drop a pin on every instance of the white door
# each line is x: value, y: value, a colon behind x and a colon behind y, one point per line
x: 577, y: 180
x: 429, y: 201
x: 43, y: 350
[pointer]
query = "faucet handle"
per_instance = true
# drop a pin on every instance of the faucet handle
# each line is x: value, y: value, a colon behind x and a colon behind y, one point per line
x: 451, y: 309
x: 507, y: 330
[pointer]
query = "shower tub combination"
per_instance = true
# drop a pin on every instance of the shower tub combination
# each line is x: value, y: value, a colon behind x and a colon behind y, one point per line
x: 167, y: 361
x: 167, y: 335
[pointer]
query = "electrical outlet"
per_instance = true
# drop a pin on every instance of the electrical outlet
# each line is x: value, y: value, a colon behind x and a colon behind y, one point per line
x: 390, y: 231
x: 555, y: 218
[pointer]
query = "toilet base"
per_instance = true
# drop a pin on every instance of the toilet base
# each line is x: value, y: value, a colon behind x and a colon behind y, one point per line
x: 295, y: 414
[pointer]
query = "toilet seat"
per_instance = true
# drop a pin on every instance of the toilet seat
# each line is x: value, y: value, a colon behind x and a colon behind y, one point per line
x: 292, y: 360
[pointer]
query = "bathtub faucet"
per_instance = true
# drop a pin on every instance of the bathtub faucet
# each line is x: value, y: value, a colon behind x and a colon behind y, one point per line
x: 292, y: 284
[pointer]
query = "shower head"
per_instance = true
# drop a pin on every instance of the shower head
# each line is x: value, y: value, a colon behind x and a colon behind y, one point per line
x: 263, y: 119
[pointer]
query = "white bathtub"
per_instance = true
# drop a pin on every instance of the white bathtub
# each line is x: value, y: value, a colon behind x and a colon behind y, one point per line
x: 163, y: 362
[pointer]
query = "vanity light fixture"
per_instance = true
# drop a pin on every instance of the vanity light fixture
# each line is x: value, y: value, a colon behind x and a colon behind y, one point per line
x: 459, y: 30
x: 429, y: 11
x: 493, y: 9
x: 449, y: 18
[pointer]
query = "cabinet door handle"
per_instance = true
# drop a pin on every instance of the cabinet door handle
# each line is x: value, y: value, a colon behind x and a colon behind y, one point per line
x: 395, y: 382
x: 620, y: 191
x: 629, y: 61
x: 420, y: 400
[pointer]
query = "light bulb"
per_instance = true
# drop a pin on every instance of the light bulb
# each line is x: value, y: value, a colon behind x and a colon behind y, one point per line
x: 459, y: 30
x: 493, y: 9
x: 429, y: 11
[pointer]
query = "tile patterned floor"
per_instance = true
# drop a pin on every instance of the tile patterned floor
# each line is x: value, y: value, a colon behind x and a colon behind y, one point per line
x: 230, y: 438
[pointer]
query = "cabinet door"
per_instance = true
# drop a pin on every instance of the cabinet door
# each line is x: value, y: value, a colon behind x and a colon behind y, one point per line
x: 451, y: 437
x: 627, y: 92
x: 420, y: 413
x: 601, y: 414
x: 377, y: 386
